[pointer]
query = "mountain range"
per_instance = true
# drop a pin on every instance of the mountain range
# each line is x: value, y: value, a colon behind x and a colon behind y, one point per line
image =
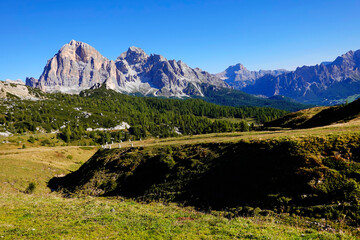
x: 324, y: 84
x: 78, y: 66
x: 239, y: 77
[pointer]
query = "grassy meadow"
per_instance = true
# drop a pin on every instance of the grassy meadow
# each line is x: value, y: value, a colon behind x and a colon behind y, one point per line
x: 39, y: 213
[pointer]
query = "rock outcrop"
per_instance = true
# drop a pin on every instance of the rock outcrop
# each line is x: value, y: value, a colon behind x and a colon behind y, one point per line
x: 16, y: 89
x: 78, y: 66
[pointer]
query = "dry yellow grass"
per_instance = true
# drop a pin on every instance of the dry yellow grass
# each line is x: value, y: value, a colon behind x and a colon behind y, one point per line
x: 19, y: 166
x: 342, y: 128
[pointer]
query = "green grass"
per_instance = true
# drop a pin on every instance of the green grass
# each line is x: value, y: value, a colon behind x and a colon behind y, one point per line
x: 52, y: 217
x: 239, y: 177
x: 319, y: 116
x: 47, y: 215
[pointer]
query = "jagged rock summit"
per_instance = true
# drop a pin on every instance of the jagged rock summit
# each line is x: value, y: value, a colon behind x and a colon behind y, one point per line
x: 78, y: 66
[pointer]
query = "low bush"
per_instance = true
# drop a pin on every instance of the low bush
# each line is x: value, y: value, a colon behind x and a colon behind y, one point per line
x: 30, y: 188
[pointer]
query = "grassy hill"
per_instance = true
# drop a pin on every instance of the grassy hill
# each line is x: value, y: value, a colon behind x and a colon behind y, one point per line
x: 283, y: 184
x: 23, y: 213
x: 319, y: 116
x: 311, y: 176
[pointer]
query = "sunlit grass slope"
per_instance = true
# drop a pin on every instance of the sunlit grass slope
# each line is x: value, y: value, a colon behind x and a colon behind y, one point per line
x: 48, y: 215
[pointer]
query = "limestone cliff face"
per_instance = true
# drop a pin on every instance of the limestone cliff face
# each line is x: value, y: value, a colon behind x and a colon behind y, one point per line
x: 78, y: 66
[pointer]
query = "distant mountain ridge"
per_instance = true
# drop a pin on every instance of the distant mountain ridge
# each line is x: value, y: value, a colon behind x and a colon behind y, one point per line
x: 239, y: 77
x: 327, y: 83
x: 78, y: 66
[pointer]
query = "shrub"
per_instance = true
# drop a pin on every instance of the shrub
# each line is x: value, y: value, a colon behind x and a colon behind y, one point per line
x: 31, y: 139
x: 23, y: 146
x: 86, y: 148
x: 69, y: 157
x: 30, y: 188
x: 45, y: 142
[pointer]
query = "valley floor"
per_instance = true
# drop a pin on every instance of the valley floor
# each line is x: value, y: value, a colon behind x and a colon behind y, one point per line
x: 42, y: 214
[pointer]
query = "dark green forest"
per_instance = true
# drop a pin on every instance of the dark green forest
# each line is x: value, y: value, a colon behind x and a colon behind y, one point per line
x: 232, y: 97
x: 72, y: 115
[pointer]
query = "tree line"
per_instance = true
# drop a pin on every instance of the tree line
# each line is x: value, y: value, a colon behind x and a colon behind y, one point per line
x: 72, y: 115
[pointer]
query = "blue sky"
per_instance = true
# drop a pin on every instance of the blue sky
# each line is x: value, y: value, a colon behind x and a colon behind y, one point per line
x: 212, y: 35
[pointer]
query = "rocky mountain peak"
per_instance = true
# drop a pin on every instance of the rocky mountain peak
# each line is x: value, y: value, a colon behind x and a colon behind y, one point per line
x: 133, y: 55
x: 73, y: 42
x: 32, y: 82
x: 80, y: 51
x: 350, y: 59
x: 239, y: 76
x: 78, y: 66
x: 236, y: 67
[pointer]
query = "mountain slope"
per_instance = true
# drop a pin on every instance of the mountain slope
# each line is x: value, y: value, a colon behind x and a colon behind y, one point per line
x: 78, y: 66
x: 300, y: 176
x: 319, y: 116
x: 103, y: 109
x: 232, y: 97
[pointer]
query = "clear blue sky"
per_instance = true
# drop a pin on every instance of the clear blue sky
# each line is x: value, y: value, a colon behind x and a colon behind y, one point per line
x: 212, y: 34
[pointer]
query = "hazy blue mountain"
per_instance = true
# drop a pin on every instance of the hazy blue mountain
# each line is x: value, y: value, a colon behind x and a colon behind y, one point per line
x: 237, y: 76
x: 327, y: 83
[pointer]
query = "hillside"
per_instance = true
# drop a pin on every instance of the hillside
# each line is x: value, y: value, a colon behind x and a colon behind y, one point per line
x: 319, y: 116
x: 22, y: 214
x: 232, y: 97
x: 84, y: 119
x: 200, y: 173
x: 314, y: 176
